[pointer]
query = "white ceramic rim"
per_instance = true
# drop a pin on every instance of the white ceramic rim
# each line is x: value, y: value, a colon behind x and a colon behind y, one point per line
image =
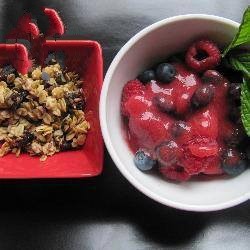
x: 105, y: 132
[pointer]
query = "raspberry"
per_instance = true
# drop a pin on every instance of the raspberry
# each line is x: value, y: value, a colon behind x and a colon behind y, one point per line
x: 203, y: 55
x: 168, y: 153
x: 133, y: 87
x: 203, y: 147
x: 183, y: 87
x: 148, y: 130
x: 205, y: 123
x: 199, y: 154
x: 136, y: 105
x: 214, y: 168
x: 176, y: 173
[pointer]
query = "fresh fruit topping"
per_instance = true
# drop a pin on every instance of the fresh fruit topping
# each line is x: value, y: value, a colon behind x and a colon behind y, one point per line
x: 143, y: 160
x: 182, y: 88
x: 199, y: 154
x: 147, y: 76
x: 234, y: 91
x: 165, y: 72
x: 136, y: 105
x: 180, y: 127
x: 203, y: 96
x: 212, y: 77
x: 203, y: 147
x: 133, y: 87
x: 205, y: 123
x: 164, y: 103
x: 176, y: 173
x: 168, y: 153
x: 233, y: 162
x: 236, y: 136
x: 148, y: 130
x: 203, y: 55
x: 214, y: 168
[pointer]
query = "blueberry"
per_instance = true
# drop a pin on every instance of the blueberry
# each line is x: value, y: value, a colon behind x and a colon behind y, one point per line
x: 164, y: 104
x: 233, y: 162
x: 236, y: 137
x: 234, y: 91
x: 179, y: 127
x: 147, y: 76
x: 143, y: 161
x: 165, y: 72
x: 203, y: 96
x: 212, y: 76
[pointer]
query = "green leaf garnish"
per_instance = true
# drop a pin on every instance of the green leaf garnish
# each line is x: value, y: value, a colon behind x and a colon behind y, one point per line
x: 245, y: 105
x: 243, y: 35
x: 241, y: 63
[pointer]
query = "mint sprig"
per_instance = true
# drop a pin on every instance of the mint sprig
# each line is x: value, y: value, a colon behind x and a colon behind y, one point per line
x: 241, y: 63
x: 245, y: 106
x: 243, y: 35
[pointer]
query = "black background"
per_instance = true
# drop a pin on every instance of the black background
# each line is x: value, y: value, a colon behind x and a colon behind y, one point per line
x: 107, y: 212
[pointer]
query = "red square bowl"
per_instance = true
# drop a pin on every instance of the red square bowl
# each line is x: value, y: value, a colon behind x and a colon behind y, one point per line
x: 84, y: 57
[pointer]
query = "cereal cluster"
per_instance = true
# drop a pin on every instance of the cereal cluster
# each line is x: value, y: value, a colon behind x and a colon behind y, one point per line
x: 41, y: 113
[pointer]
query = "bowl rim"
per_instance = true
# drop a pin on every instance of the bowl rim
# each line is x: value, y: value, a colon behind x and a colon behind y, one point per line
x: 105, y: 131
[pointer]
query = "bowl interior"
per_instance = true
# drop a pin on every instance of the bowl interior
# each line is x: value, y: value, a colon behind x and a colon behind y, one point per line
x: 142, y: 51
x: 84, y: 57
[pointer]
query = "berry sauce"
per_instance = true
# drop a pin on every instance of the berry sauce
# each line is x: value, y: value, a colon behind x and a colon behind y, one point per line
x: 184, y: 124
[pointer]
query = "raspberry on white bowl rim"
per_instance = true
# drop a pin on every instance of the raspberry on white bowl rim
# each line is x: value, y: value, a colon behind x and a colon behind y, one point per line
x: 140, y: 52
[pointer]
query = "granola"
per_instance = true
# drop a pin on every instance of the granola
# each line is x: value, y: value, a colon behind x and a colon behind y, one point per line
x: 41, y: 113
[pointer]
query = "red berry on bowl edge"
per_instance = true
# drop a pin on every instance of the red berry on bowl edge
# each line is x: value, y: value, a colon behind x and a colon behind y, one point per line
x: 203, y: 55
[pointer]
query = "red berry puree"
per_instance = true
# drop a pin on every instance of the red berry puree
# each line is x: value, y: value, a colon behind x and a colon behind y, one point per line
x: 183, y: 119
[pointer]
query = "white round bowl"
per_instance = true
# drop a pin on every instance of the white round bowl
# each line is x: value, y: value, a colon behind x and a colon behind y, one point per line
x: 144, y: 49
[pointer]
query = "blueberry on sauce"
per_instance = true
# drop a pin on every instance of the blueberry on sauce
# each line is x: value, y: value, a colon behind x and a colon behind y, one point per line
x: 147, y: 76
x: 143, y: 160
x: 203, y: 96
x: 164, y: 104
x: 233, y: 162
x: 165, y: 72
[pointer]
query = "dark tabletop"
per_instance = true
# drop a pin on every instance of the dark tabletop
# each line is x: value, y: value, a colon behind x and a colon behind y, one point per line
x: 106, y: 212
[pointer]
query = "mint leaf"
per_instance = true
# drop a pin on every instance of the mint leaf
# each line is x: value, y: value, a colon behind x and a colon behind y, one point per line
x: 245, y: 105
x: 243, y: 34
x: 241, y: 62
